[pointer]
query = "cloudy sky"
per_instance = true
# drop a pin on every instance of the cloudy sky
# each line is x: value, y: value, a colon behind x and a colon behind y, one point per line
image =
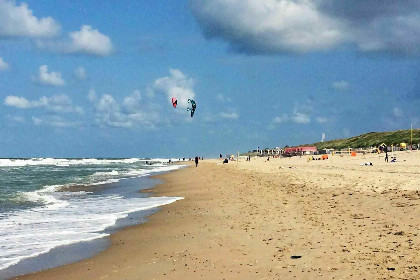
x: 95, y: 78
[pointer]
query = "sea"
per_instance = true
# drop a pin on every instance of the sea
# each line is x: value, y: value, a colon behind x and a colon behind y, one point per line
x: 50, y: 203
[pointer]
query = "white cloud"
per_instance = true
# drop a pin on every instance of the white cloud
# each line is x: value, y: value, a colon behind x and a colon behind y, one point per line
x: 48, y: 79
x: 300, y: 118
x: 321, y: 119
x: 3, y: 65
x: 176, y: 85
x: 109, y: 113
x: 220, y: 97
x: 90, y: 41
x: 267, y: 26
x: 18, y: 119
x: 232, y: 116
x: 18, y: 21
x: 132, y: 102
x: 56, y: 103
x: 398, y: 113
x: 92, y: 95
x: 54, y: 121
x: 283, y: 118
x: 298, y: 26
x: 340, y: 85
x: 18, y: 102
x: 80, y: 73
x: 87, y: 41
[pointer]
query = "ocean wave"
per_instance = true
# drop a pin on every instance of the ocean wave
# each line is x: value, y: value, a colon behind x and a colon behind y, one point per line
x: 105, y: 174
x: 7, y: 162
x: 29, y: 233
x: 51, y: 195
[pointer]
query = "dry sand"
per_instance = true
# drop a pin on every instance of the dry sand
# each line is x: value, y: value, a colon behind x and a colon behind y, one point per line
x: 247, y: 220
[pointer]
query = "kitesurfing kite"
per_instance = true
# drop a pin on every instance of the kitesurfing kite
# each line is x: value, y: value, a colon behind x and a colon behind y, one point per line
x: 174, y: 102
x: 193, y: 106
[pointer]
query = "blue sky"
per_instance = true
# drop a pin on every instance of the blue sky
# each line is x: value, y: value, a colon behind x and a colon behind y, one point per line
x: 95, y: 78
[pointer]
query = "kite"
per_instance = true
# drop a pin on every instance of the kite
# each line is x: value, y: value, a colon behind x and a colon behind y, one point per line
x: 193, y: 106
x: 174, y: 102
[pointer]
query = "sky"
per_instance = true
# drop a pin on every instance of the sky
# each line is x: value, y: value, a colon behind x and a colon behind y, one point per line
x: 96, y: 78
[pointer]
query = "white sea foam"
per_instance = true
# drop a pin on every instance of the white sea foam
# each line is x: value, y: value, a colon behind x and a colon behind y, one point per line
x: 106, y: 174
x: 62, y: 161
x: 29, y: 233
x: 52, y: 199
x: 70, y: 217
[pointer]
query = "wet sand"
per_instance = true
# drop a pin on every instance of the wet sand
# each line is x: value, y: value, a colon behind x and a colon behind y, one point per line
x: 282, y: 219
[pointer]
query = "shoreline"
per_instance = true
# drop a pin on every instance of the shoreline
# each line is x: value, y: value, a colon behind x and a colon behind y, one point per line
x: 104, y: 259
x: 283, y: 219
x: 78, y: 251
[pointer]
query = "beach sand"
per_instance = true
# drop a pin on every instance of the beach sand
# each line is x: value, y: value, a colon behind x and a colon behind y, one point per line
x: 287, y: 218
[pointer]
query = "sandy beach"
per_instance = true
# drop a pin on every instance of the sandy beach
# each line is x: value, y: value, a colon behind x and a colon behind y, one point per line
x: 286, y: 218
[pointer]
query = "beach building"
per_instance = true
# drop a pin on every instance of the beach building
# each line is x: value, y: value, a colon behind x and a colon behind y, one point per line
x: 326, y: 151
x: 308, y: 150
x: 273, y: 152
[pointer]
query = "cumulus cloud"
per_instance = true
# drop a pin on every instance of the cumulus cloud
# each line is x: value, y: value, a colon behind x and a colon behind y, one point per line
x: 56, y: 103
x: 18, y: 21
x: 90, y: 41
x: 177, y: 85
x: 87, y: 41
x: 297, y: 117
x: 80, y: 73
x: 283, y: 118
x: 48, y: 78
x: 54, y: 121
x: 299, y: 26
x: 110, y: 113
x: 340, y: 85
x: 18, y: 102
x: 232, y: 116
x: 132, y: 102
x: 3, y: 65
x: 300, y: 118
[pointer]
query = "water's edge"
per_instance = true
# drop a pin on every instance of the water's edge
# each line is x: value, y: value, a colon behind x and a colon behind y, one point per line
x: 71, y: 253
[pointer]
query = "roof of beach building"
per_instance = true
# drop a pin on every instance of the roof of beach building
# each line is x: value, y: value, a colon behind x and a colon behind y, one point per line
x: 301, y: 149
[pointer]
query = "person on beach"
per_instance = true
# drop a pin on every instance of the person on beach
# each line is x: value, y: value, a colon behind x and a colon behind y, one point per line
x: 196, y: 161
x: 386, y: 154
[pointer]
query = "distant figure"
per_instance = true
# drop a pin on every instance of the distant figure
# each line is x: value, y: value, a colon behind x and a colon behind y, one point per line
x: 225, y: 161
x: 170, y: 161
x: 196, y: 161
x: 386, y: 155
x: 268, y: 158
x: 220, y: 156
